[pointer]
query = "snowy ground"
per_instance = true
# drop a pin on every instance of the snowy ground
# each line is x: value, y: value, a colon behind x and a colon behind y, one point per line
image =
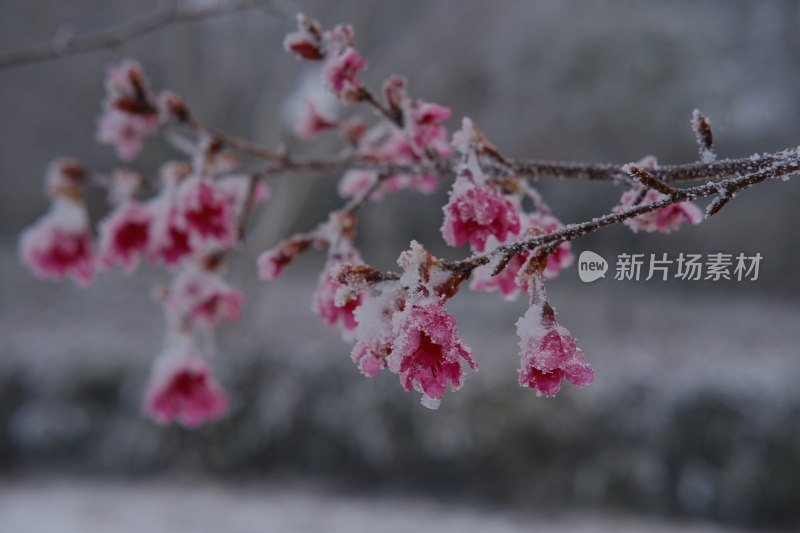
x: 156, y: 507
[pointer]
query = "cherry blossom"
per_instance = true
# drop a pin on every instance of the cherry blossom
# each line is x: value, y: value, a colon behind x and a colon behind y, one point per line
x: 427, y: 352
x: 335, y: 312
x: 182, y: 387
x: 125, y: 232
x: 169, y: 238
x: 204, y: 212
x: 199, y: 294
x: 375, y: 332
x: 341, y: 72
x: 313, y: 121
x: 548, y: 353
x: 474, y: 212
x: 663, y: 220
x: 59, y: 244
x: 130, y: 111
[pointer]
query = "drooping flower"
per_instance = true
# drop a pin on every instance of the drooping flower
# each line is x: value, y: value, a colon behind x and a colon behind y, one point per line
x: 169, y: 237
x: 327, y: 305
x: 375, y: 332
x: 199, y: 294
x: 130, y: 112
x: 124, y: 235
x: 548, y: 353
x: 125, y: 232
x: 182, y: 387
x: 663, y: 220
x: 427, y: 352
x: 59, y: 244
x: 475, y: 212
x: 204, y: 212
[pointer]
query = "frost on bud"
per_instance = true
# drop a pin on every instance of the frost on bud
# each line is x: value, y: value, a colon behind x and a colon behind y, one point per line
x: 272, y: 262
x: 205, y: 213
x: 663, y: 220
x: 701, y: 126
x: 548, y: 353
x: 475, y: 212
x: 305, y: 42
x: 130, y: 111
x: 182, y: 387
x: 200, y: 295
x: 427, y: 352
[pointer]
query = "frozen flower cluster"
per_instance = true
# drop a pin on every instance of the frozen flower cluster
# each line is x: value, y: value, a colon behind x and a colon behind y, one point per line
x: 193, y: 214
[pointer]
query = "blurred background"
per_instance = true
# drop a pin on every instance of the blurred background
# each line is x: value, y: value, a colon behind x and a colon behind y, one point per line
x: 692, y: 423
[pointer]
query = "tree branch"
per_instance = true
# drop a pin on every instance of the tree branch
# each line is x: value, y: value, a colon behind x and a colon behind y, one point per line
x: 168, y: 13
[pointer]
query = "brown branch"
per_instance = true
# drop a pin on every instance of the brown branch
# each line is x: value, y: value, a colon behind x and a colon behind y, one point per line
x: 573, y: 231
x: 648, y: 180
x: 168, y: 13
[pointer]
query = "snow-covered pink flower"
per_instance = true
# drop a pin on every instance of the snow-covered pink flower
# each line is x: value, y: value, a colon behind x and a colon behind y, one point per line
x: 475, y: 212
x: 204, y: 212
x: 375, y: 332
x: 130, y: 112
x: 170, y: 241
x: 342, y: 73
x: 333, y: 311
x: 427, y: 352
x: 59, y: 244
x: 182, y: 387
x: 548, y: 353
x: 201, y: 295
x: 663, y: 220
x: 124, y: 236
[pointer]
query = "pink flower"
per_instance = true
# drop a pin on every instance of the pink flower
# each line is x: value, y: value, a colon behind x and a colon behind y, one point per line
x: 312, y: 121
x: 507, y: 282
x: 183, y: 389
x: 59, y: 244
x: 475, y: 212
x: 548, y: 353
x: 130, y: 111
x: 204, y: 212
x: 341, y: 72
x: 375, y: 332
x: 124, y: 235
x: 124, y: 131
x: 427, y: 352
x: 169, y: 238
x: 201, y: 295
x: 663, y: 220
x: 332, y: 311
x: 426, y: 129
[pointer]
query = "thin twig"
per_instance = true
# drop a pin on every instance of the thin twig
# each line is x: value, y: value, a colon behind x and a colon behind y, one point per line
x: 168, y: 13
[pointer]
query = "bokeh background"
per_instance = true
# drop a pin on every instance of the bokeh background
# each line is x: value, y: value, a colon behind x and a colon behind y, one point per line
x: 693, y: 421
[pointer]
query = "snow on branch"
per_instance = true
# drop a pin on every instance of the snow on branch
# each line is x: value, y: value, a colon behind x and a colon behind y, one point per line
x: 397, y: 321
